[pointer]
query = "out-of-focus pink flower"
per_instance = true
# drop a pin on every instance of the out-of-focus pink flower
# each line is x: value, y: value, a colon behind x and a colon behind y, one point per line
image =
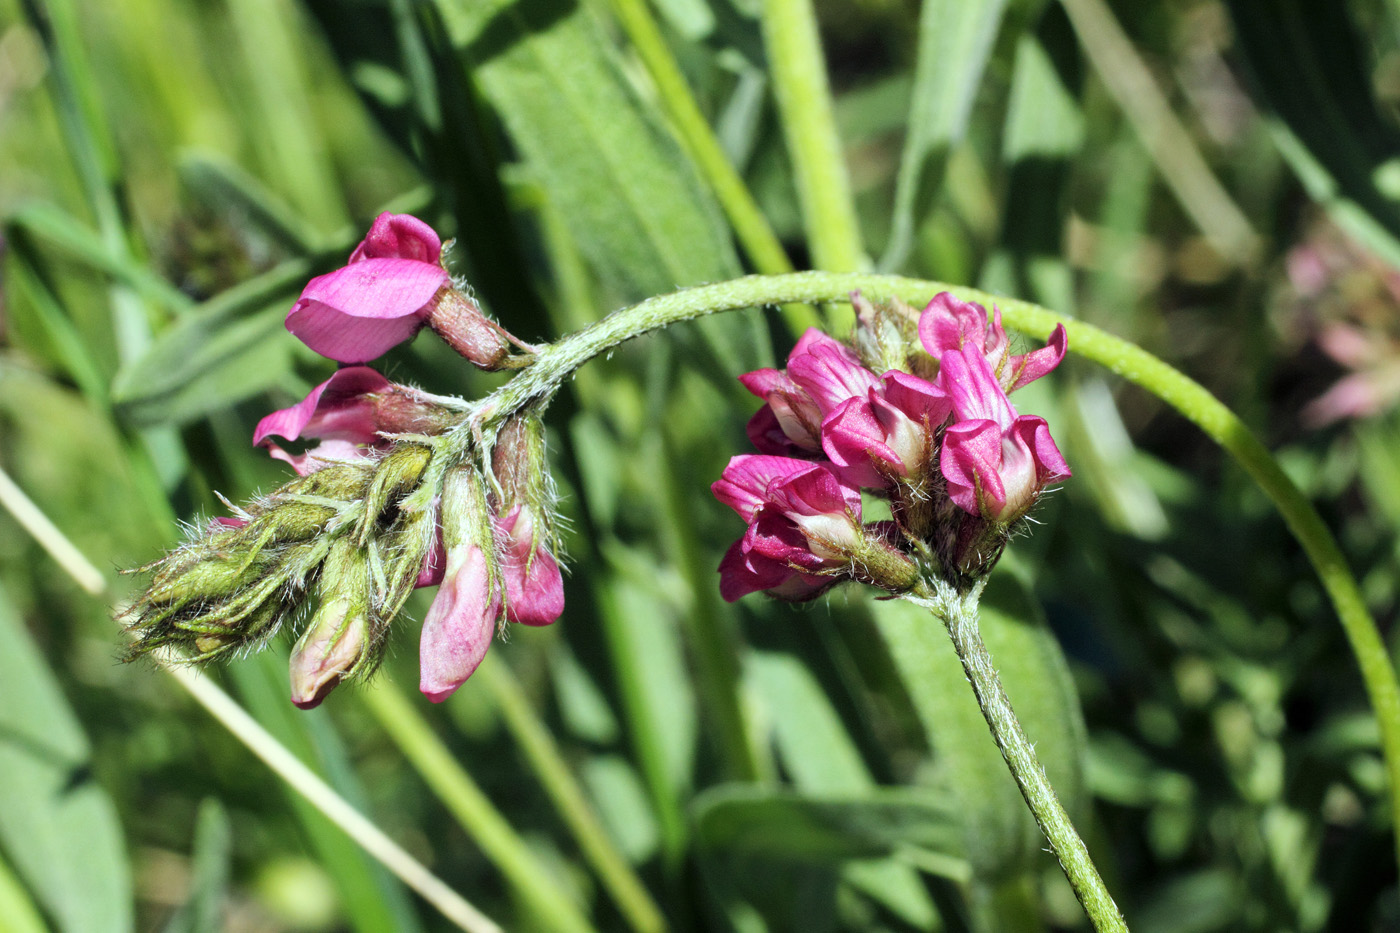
x: 950, y: 324
x: 534, y: 586
x: 379, y: 300
x: 821, y: 374
x: 889, y: 432
x: 995, y: 462
x: 349, y: 412
x: 803, y: 521
x: 460, y: 624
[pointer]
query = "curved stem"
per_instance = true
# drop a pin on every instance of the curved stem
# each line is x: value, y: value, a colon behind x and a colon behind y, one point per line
x: 959, y: 614
x: 535, y: 385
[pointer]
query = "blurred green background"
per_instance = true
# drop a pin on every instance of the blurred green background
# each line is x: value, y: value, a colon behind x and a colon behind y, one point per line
x: 1219, y: 182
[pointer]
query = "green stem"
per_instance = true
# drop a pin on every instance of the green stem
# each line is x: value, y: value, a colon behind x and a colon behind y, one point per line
x: 959, y: 614
x: 798, y: 70
x: 548, y: 763
x: 406, y: 726
x: 555, y: 364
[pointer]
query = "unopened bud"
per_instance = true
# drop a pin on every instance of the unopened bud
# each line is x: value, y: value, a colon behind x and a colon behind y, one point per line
x: 887, y: 337
x: 396, y: 475
x: 335, y: 645
x: 459, y: 320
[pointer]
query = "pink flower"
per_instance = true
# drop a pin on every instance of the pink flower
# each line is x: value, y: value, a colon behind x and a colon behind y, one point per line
x: 821, y: 374
x: 534, y: 586
x: 380, y: 299
x: 949, y: 324
x: 995, y: 462
x: 350, y: 412
x: 889, y: 432
x: 460, y: 624
x: 803, y: 522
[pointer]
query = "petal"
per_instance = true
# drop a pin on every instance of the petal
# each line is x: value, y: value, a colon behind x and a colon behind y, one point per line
x: 534, y: 586
x: 774, y: 536
x: 853, y: 438
x: 399, y: 236
x: 766, y: 434
x: 829, y: 371
x: 968, y: 381
x: 1031, y: 366
x: 459, y: 627
x: 1050, y: 465
x: 336, y: 408
x: 317, y: 457
x: 361, y: 311
x: 762, y: 382
x: 949, y: 324
x: 743, y: 486
x: 741, y: 574
x: 970, y: 463
x: 434, y: 562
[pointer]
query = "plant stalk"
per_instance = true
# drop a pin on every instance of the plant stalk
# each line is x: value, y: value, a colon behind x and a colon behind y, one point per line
x: 555, y: 364
x: 959, y: 614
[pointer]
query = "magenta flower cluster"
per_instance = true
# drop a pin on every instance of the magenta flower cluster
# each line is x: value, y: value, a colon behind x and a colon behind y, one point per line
x: 392, y: 286
x: 956, y: 461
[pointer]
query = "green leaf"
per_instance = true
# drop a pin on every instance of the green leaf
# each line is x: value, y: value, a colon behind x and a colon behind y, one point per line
x: 75, y: 241
x: 17, y: 912
x: 1313, y: 72
x: 227, y: 188
x: 232, y: 347
x: 955, y: 44
x: 201, y: 912
x: 822, y: 759
x: 795, y: 827
x: 625, y: 189
x: 1001, y: 837
x: 57, y: 824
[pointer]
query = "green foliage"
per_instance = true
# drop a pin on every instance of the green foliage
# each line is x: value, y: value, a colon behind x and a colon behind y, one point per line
x: 176, y: 171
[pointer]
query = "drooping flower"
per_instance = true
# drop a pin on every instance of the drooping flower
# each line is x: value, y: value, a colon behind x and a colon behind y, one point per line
x: 350, y: 413
x: 821, y: 374
x: 463, y: 616
x: 950, y: 324
x: 392, y: 286
x: 460, y: 623
x: 995, y: 462
x: 534, y: 585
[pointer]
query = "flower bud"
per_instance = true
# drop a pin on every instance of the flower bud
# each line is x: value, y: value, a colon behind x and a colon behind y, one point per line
x: 335, y: 645
x: 459, y: 320
x: 887, y: 337
x: 395, y: 476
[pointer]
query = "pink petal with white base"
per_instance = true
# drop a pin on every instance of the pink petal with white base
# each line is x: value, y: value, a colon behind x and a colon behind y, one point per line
x: 972, y: 388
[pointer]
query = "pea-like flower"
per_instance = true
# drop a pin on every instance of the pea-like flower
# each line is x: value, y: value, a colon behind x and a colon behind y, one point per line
x: 995, y: 461
x: 949, y: 324
x: 393, y: 285
x: 821, y: 374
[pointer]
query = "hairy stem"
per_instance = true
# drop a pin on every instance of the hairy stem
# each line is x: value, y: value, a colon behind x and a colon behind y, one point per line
x: 557, y: 363
x: 959, y: 614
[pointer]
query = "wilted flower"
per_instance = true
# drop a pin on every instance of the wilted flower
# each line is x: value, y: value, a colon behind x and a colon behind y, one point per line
x: 351, y: 412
